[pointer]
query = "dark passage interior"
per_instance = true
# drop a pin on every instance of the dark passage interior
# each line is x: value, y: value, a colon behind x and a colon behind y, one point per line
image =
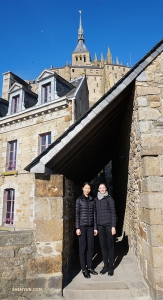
x: 112, y: 145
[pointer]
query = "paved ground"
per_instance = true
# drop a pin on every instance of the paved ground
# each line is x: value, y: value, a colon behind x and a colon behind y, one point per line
x: 127, y: 282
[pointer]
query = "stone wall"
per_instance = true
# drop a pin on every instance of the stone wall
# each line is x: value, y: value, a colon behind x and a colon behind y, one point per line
x: 68, y: 227
x: 144, y: 209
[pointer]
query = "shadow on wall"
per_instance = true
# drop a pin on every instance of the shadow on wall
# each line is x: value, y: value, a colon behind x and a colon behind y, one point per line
x: 120, y: 165
x: 121, y: 250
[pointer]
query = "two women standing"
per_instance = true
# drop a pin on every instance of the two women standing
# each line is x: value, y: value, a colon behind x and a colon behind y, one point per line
x: 91, y: 215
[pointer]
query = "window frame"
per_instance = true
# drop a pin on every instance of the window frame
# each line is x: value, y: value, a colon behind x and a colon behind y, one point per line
x: 9, y: 218
x: 12, y: 153
x: 47, y: 144
x: 46, y: 92
x: 15, y: 104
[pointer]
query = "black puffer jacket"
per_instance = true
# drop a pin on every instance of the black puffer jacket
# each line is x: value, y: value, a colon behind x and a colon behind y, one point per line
x: 105, y: 211
x: 85, y: 212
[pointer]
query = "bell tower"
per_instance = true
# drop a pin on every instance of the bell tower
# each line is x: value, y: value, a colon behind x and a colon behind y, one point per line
x: 81, y: 55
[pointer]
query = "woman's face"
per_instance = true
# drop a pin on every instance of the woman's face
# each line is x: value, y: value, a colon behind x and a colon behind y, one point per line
x: 102, y: 188
x: 86, y: 189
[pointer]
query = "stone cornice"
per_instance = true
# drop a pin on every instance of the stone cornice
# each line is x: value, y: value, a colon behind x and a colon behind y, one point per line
x: 35, y: 111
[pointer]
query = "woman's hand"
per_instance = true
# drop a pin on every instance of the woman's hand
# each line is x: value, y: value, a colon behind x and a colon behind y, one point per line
x: 95, y: 232
x: 113, y: 230
x: 78, y: 231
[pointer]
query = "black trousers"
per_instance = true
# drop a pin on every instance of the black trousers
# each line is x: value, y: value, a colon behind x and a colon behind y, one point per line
x: 107, y: 244
x: 86, y: 246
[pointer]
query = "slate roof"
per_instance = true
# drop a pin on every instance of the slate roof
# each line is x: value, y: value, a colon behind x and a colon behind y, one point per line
x: 81, y: 47
x: 76, y: 153
x: 3, y: 107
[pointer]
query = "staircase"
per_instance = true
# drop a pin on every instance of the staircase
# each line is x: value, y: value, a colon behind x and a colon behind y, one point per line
x: 126, y: 284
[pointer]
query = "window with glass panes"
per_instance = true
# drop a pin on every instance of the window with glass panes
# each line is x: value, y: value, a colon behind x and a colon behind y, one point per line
x: 15, y: 104
x: 12, y: 151
x: 46, y: 92
x: 45, y: 141
x: 9, y: 206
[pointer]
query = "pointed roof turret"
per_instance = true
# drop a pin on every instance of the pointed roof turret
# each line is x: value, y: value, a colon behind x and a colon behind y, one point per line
x: 95, y: 58
x: 117, y: 61
x: 80, y: 46
x: 102, y: 57
x: 109, y: 56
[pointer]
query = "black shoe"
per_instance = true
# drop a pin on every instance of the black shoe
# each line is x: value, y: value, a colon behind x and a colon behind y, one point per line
x: 110, y: 272
x: 92, y: 271
x: 104, y: 270
x: 86, y: 274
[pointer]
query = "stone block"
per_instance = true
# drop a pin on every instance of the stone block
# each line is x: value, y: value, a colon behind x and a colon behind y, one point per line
x: 144, y: 126
x: 45, y: 265
x: 6, y: 252
x: 55, y: 282
x: 42, y: 209
x: 154, y: 104
x: 142, y: 101
x: 154, y: 98
x: 49, y: 230
x: 155, y: 235
x: 15, y: 238
x: 152, y: 184
x: 56, y: 207
x: 151, y: 216
x: 152, y: 144
x: 147, y: 113
x: 59, y: 246
x: 149, y: 90
x: 68, y: 118
x: 150, y: 166
x: 35, y: 283
x: 25, y: 251
x: 49, y: 186
x: 151, y: 200
x: 155, y: 277
x: 142, y: 233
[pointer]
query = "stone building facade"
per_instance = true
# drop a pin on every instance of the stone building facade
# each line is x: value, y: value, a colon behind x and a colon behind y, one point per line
x: 27, y: 129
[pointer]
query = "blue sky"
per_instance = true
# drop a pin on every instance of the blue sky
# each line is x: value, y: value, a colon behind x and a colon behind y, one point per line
x: 36, y: 34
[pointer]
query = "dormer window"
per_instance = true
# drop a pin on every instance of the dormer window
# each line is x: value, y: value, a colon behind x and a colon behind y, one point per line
x: 15, y: 104
x: 46, y: 92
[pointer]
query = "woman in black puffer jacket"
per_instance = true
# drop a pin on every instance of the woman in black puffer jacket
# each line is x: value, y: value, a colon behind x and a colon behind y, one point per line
x: 86, y: 228
x: 106, y: 223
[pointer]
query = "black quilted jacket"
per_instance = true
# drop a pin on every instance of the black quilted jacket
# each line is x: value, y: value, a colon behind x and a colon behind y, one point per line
x: 85, y: 212
x: 105, y: 211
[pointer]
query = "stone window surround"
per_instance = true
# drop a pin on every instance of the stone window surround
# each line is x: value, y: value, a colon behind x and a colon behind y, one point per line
x: 19, y: 92
x: 47, y: 80
x: 6, y: 209
x: 7, y: 185
x: 46, y: 134
x: 8, y: 154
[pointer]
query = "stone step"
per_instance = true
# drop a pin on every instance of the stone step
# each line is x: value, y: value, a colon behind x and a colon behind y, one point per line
x: 101, y: 290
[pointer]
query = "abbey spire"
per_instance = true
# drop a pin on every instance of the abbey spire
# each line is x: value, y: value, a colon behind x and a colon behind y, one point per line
x: 81, y: 55
x: 80, y: 30
x: 80, y: 46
